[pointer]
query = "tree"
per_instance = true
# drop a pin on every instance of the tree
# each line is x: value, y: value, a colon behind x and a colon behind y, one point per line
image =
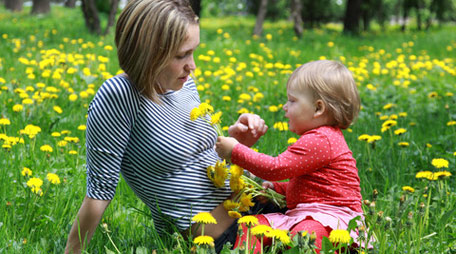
x: 70, y: 3
x: 352, y: 17
x: 91, y: 15
x: 13, y: 5
x: 196, y: 6
x: 296, y: 16
x: 260, y: 17
x: 41, y: 6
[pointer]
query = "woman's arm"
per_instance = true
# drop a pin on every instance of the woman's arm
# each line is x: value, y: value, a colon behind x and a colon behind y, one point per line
x: 86, y: 222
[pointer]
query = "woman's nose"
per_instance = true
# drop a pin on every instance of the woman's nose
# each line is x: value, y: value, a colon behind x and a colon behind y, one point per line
x: 190, y: 65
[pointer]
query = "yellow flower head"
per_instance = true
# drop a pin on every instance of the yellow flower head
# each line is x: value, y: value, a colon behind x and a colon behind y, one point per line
x: 205, y: 108
x: 46, y: 148
x: 400, y: 131
x: 53, y: 178
x: 26, y: 172
x: 246, y: 200
x: 215, y: 118
x: 408, y: 188
x: 205, y: 218
x: 30, y: 130
x: 281, y: 235
x: 236, y: 171
x: 34, y: 182
x: 292, y: 140
x: 248, y: 220
x: 4, y: 121
x: 442, y: 174
x: 204, y: 240
x: 403, y: 144
x: 234, y: 214
x: 195, y: 113
x: 230, y: 205
x: 339, y: 236
x: 389, y: 123
x: 373, y: 138
x: 439, y: 163
x: 236, y: 184
x: 425, y: 174
x: 261, y: 230
x: 364, y: 137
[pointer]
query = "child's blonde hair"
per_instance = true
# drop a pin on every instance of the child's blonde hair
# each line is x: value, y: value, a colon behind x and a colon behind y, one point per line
x: 333, y: 83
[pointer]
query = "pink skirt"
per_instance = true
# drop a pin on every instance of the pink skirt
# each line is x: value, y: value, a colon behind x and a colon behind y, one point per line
x: 335, y: 217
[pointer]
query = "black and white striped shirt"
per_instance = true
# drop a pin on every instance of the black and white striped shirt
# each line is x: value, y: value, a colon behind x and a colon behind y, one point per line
x: 162, y: 154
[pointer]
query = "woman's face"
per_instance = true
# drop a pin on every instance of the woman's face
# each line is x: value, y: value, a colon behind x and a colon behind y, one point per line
x: 182, y: 64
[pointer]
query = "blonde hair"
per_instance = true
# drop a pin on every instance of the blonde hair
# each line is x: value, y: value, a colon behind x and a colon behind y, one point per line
x: 148, y: 35
x: 333, y: 83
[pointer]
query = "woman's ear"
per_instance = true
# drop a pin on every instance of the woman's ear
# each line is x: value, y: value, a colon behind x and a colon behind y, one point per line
x: 320, y: 108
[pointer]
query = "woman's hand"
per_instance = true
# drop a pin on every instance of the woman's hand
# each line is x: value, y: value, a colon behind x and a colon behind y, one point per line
x: 224, y: 147
x: 248, y: 129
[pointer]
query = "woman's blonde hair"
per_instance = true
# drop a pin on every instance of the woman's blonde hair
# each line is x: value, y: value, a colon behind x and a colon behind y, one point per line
x: 148, y: 35
x: 333, y: 83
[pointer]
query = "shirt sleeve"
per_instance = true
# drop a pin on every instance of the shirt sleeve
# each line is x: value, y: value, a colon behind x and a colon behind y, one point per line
x: 110, y: 119
x: 310, y: 153
x: 281, y: 187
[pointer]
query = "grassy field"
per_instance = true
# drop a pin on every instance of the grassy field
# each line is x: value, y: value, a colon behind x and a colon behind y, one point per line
x: 404, y: 140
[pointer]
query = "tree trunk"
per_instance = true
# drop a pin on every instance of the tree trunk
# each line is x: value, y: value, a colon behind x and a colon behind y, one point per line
x: 13, y: 5
x: 404, y: 15
x: 296, y: 8
x: 70, y: 3
x: 91, y: 18
x: 260, y: 17
x: 112, y: 15
x: 41, y: 6
x: 352, y: 16
x: 196, y: 6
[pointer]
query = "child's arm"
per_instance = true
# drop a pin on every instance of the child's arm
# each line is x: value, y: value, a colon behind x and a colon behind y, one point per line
x: 311, y: 152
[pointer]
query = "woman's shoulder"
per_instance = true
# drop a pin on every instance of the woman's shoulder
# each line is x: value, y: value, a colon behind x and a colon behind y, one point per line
x: 118, y: 87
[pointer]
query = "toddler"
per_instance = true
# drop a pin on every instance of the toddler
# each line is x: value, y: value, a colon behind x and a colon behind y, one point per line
x: 323, y: 191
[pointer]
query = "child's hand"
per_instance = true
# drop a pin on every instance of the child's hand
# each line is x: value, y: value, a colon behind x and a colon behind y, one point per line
x: 224, y: 147
x: 266, y: 185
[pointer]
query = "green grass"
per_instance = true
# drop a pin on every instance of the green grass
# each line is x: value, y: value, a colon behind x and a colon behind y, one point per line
x: 423, y: 223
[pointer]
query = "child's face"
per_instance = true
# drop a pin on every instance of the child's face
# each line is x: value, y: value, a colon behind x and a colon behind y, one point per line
x: 299, y: 110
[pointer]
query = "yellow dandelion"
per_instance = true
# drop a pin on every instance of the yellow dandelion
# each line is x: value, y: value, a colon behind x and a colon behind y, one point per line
x: 281, y: 126
x: 215, y: 118
x: 374, y: 138
x: 205, y: 218
x: 261, y: 230
x: 424, y: 174
x: 18, y: 108
x: 82, y: 127
x: 230, y: 205
x: 236, y: 184
x: 72, y: 152
x: 439, y: 163
x: 5, y: 121
x: 339, y: 236
x: 46, y: 148
x: 389, y: 123
x: 34, y: 182
x: 273, y: 108
x: 281, y: 235
x: 442, y: 174
x: 408, y: 188
x: 73, y: 97
x: 400, y: 131
x: 204, y: 240
x: 53, y: 178
x: 236, y: 171
x: 403, y: 144
x: 246, y: 200
x: 205, y: 108
x: 57, y: 109
x: 195, y: 113
x: 234, y: 214
x: 292, y: 140
x: 388, y: 106
x: 433, y: 94
x: 364, y: 137
x: 26, y: 171
x: 248, y: 220
x: 451, y: 123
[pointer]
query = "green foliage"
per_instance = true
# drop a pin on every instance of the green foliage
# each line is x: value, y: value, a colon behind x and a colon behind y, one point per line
x: 397, y: 73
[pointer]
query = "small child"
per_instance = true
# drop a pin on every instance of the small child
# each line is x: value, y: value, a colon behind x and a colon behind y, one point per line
x: 323, y: 191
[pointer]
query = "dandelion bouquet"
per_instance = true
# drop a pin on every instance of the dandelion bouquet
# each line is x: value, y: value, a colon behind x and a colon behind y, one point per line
x: 244, y: 187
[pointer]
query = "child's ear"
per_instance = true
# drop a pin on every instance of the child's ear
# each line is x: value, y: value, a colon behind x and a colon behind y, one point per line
x: 320, y: 108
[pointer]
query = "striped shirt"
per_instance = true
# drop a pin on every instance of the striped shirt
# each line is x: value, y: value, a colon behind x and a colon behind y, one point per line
x: 162, y: 154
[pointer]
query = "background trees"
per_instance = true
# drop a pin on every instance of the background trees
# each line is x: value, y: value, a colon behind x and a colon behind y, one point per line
x: 355, y: 15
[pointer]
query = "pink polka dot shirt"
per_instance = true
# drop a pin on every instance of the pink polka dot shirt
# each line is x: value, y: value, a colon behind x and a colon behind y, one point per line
x: 320, y: 168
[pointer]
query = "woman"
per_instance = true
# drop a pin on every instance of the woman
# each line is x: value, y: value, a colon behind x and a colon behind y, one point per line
x: 138, y: 124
